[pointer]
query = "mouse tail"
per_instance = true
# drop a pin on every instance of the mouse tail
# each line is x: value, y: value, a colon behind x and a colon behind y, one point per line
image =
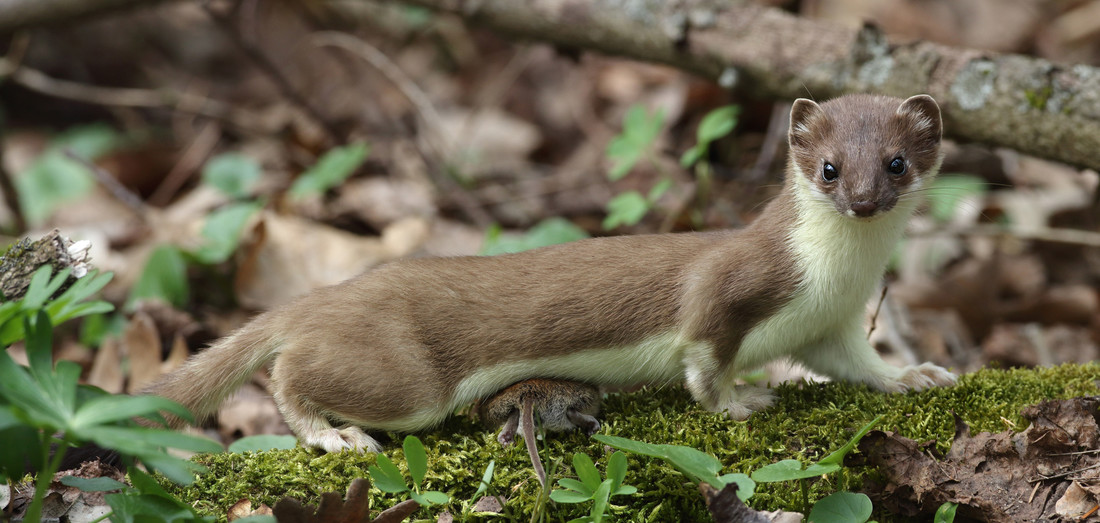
x: 204, y: 382
x: 528, y: 423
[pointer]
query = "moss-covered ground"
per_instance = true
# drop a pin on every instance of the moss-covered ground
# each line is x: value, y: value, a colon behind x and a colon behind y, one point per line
x: 808, y: 422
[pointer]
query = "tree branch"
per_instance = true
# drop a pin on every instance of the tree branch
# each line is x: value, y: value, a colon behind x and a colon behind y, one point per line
x: 1028, y: 104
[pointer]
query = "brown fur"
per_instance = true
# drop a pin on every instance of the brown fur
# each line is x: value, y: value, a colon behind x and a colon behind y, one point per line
x: 399, y: 347
x: 562, y: 405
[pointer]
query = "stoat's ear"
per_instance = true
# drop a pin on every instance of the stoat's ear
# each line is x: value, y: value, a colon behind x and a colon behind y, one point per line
x: 923, y: 116
x: 806, y: 115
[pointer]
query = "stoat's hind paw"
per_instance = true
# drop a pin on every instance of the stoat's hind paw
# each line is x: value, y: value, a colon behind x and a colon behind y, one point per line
x: 348, y: 438
x: 924, y: 376
x: 747, y: 399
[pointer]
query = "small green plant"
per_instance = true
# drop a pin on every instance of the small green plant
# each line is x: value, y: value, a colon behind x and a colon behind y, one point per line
x: 697, y: 465
x: 330, y: 170
x: 791, y: 469
x: 53, y: 178
x: 388, y: 478
x: 550, y: 231
x: 43, y: 404
x: 588, y: 486
x: 715, y: 125
x: 144, y: 501
x: 640, y: 130
x: 946, y: 513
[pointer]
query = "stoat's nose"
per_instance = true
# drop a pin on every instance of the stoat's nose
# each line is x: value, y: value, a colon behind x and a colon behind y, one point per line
x: 864, y: 208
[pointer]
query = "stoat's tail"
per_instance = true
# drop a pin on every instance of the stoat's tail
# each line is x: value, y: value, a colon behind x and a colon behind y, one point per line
x: 209, y: 377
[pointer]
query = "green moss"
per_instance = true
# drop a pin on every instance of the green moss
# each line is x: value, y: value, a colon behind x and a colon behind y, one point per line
x: 808, y: 422
x: 1037, y: 98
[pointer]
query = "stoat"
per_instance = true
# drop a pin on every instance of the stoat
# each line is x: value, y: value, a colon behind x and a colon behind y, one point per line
x: 400, y: 347
x: 562, y: 405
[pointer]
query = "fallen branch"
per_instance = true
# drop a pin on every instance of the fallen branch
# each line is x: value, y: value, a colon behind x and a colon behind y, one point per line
x: 1028, y: 104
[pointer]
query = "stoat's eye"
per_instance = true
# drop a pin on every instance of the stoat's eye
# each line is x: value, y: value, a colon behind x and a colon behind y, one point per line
x: 829, y: 172
x: 896, y: 167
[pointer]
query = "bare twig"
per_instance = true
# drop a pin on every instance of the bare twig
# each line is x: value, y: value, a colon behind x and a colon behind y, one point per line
x: 377, y: 59
x: 126, y: 97
x: 268, y: 68
x: 108, y: 181
x: 777, y: 131
x: 1049, y: 234
x: 189, y: 162
x: 874, y: 317
x: 435, y: 137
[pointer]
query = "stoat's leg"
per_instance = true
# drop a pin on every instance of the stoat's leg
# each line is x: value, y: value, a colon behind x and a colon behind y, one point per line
x: 713, y: 387
x: 743, y: 400
x: 313, y: 430
x: 588, y: 424
x: 849, y: 357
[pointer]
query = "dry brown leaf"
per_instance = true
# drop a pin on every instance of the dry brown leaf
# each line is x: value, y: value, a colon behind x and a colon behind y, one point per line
x: 991, y: 476
x: 249, y: 412
x: 176, y: 355
x: 243, y: 509
x: 381, y: 201
x: 141, y: 344
x: 487, y: 140
x: 285, y: 257
x: 106, y: 372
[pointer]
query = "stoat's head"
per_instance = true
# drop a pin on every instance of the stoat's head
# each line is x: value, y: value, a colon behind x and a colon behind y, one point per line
x: 863, y: 153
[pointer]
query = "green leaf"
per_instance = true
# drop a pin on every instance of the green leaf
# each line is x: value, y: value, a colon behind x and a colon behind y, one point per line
x: 627, y: 208
x: 485, y: 479
x: 111, y: 408
x: 22, y: 445
x: 691, y: 156
x: 639, y: 132
x: 222, y: 232
x: 946, y: 513
x: 616, y: 471
x: 569, y: 496
x: 693, y: 463
x: 599, y: 501
x: 659, y: 189
x: 232, y: 173
x: 435, y: 497
x: 717, y: 123
x: 37, y: 290
x: 415, y: 458
x: 386, y: 477
x: 331, y: 170
x: 550, y: 231
x: 54, y: 179
x: 842, y: 507
x: 785, y: 470
x: 103, y: 484
x: 177, y: 470
x: 576, y: 485
x: 164, y: 277
x: 837, y: 457
x: 136, y: 508
x: 262, y: 442
x: 39, y: 344
x: 746, y: 487
x: 948, y: 191
x: 586, y: 470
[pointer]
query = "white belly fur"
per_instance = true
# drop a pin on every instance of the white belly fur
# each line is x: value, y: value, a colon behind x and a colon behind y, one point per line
x: 654, y: 359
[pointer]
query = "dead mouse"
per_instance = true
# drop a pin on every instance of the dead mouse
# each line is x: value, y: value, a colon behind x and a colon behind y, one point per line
x: 561, y: 404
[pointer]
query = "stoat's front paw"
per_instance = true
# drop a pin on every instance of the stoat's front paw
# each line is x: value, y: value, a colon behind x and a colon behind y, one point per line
x: 349, y: 438
x: 747, y: 399
x: 920, y: 377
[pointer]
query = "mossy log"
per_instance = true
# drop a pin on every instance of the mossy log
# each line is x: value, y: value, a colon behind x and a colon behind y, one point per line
x: 808, y: 422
